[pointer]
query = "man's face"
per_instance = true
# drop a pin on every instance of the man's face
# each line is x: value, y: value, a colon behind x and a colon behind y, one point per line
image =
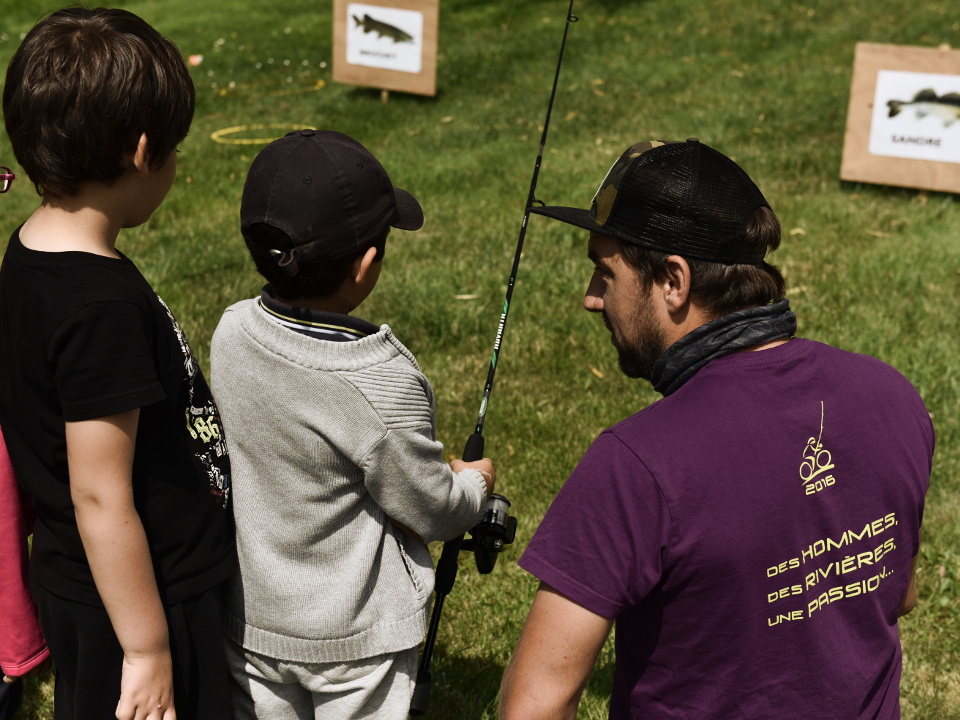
x: 616, y: 291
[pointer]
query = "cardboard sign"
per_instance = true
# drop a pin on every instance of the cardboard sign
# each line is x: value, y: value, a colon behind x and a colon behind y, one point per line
x: 386, y: 44
x: 903, y: 122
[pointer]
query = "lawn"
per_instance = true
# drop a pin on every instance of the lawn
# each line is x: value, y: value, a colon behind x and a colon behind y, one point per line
x: 871, y: 269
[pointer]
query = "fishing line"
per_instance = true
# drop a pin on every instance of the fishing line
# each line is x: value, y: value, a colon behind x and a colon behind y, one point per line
x: 477, y: 436
x: 424, y: 294
x: 496, y: 509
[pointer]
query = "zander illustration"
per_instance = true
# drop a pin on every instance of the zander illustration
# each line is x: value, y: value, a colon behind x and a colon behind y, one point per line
x: 927, y: 102
x: 382, y: 29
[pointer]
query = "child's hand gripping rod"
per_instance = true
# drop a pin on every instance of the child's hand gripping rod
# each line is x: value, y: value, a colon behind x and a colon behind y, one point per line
x: 496, y: 528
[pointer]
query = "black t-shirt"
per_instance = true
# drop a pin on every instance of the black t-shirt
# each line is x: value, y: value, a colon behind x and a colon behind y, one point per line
x: 84, y: 336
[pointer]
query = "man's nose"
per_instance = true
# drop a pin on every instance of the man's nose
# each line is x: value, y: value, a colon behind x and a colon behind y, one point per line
x: 593, y: 300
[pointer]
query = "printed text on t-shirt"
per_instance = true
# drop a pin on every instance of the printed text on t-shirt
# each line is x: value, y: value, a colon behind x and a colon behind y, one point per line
x: 810, y: 588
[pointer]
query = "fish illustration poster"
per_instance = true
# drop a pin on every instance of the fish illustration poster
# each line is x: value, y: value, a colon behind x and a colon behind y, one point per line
x: 384, y: 37
x: 916, y: 116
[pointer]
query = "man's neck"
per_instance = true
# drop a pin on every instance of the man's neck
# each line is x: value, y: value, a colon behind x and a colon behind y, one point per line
x: 767, y: 345
x: 696, y: 316
x: 683, y: 321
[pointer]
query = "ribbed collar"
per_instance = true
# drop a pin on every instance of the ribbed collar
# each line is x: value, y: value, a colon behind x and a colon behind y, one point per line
x: 320, y: 324
x: 310, y: 352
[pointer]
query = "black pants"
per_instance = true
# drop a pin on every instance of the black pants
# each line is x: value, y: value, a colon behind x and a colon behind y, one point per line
x: 88, y: 658
x: 10, y: 696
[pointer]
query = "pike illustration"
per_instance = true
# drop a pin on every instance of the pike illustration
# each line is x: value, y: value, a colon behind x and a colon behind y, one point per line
x: 382, y: 29
x: 926, y: 102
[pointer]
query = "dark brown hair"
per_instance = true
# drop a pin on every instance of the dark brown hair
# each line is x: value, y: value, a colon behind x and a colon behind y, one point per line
x: 81, y: 89
x: 318, y: 279
x: 721, y: 289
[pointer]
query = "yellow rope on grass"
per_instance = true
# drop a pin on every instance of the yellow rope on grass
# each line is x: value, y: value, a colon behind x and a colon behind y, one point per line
x: 222, y: 136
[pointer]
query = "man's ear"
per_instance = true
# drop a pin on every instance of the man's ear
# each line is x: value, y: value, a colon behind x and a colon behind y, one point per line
x: 676, y: 288
x: 141, y: 156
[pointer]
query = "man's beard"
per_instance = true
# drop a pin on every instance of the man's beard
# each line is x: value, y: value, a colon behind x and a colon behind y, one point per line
x: 645, y: 342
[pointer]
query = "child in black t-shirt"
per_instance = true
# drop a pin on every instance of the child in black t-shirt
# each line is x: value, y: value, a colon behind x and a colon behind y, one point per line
x: 109, y: 423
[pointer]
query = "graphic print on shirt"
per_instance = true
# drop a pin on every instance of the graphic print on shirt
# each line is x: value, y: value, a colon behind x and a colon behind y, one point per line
x: 817, y: 463
x: 202, y: 420
x: 845, y: 564
x: 830, y: 569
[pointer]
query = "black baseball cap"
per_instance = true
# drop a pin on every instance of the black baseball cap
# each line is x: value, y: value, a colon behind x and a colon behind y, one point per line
x: 679, y: 197
x: 327, y: 192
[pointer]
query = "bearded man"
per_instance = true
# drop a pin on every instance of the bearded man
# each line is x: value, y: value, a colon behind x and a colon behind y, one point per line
x: 754, y: 533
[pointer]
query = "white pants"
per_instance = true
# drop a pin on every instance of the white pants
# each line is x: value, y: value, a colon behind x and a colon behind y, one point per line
x: 268, y: 689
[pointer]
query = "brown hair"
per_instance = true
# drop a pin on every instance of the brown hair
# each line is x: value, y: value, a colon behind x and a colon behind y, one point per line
x: 721, y: 289
x: 318, y: 279
x: 81, y: 89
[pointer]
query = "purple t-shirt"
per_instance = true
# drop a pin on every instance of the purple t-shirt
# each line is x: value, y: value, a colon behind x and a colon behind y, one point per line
x: 751, y: 534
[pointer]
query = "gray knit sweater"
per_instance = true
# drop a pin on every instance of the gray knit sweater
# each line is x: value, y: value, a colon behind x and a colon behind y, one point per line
x: 327, y: 440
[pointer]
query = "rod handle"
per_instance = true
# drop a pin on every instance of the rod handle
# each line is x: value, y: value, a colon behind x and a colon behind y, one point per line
x: 421, y: 693
x: 473, y: 450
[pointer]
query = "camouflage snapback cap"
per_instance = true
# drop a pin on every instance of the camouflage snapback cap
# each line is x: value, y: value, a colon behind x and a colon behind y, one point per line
x: 679, y: 197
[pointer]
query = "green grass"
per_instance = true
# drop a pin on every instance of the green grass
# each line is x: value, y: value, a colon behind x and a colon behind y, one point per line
x: 871, y: 269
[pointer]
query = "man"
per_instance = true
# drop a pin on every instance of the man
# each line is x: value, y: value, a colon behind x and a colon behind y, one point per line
x: 753, y: 533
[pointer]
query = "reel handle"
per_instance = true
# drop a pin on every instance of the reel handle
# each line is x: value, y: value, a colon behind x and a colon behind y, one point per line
x: 496, y: 529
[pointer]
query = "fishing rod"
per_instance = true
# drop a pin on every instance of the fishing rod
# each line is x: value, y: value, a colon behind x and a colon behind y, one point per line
x: 496, y: 527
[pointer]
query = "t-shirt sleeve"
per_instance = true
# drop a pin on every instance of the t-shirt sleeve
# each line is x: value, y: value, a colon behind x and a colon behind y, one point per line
x: 603, y: 541
x: 104, y: 361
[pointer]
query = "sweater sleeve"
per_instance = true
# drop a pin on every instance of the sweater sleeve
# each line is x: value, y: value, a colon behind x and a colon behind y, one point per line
x: 407, y: 476
x: 22, y: 646
x: 404, y: 470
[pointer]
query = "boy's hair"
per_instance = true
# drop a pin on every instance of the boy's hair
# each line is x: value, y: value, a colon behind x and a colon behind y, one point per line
x: 81, y: 89
x: 319, y: 279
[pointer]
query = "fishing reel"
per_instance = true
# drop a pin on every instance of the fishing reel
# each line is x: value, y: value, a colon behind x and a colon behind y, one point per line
x: 496, y: 529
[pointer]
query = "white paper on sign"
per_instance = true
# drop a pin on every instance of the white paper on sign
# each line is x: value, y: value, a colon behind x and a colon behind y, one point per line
x: 916, y: 116
x: 384, y: 37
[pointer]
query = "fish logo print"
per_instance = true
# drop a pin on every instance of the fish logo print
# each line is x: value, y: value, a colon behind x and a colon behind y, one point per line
x: 382, y: 29
x: 927, y: 103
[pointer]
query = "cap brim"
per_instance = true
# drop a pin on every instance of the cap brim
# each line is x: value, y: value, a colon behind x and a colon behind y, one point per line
x: 572, y: 216
x: 409, y: 215
x: 584, y: 219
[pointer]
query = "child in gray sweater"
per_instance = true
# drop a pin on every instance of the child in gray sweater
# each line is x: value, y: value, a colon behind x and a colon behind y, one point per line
x: 338, y: 479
